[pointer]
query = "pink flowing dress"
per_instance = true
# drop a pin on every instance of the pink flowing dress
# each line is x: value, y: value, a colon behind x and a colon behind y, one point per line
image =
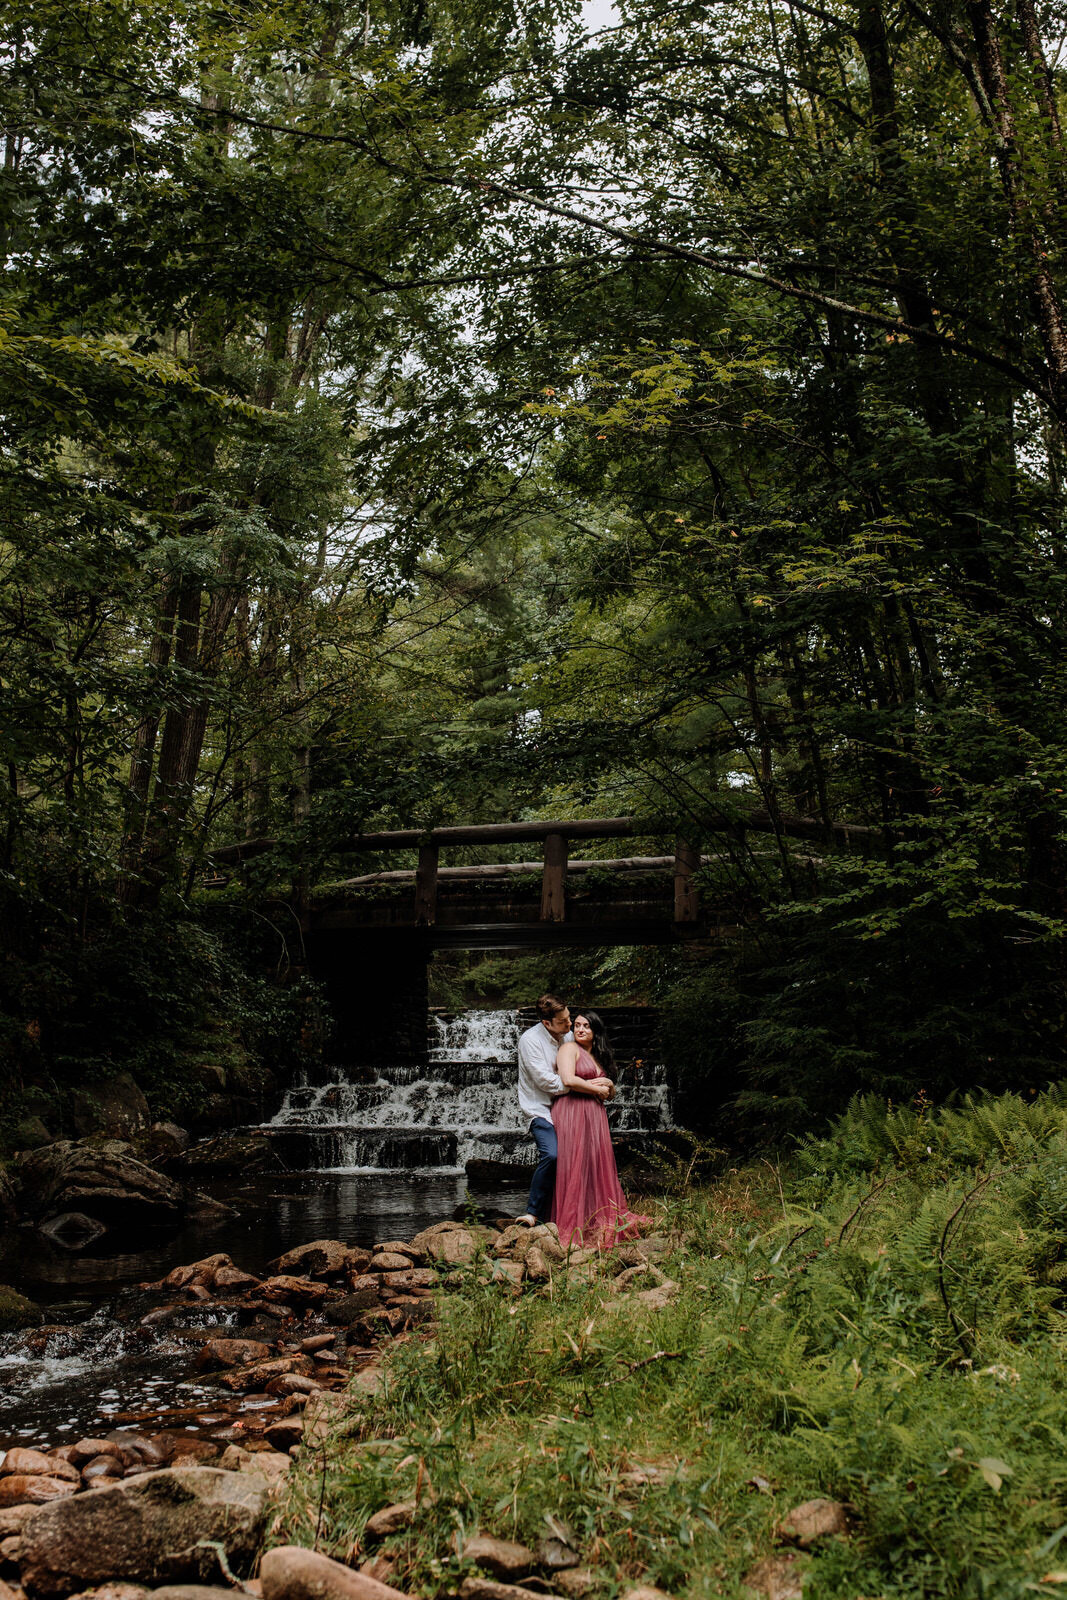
x: 588, y: 1207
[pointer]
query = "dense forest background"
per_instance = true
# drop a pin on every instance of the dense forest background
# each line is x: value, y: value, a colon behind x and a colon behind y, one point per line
x: 425, y: 412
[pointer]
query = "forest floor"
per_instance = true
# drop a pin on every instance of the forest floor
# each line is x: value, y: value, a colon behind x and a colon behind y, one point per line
x: 879, y: 1323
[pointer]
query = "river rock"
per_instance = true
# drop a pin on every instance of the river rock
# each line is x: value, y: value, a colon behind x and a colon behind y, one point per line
x: 270, y: 1465
x: 231, y: 1155
x: 322, y: 1258
x: 200, y: 1272
x: 188, y: 1591
x: 162, y: 1142
x: 102, y: 1469
x: 30, y: 1463
x: 291, y: 1573
x: 456, y: 1248
x: 380, y: 1566
x: 231, y: 1280
x: 490, y: 1589
x: 137, y: 1447
x: 399, y: 1247
x: 388, y: 1261
x: 100, y: 1179
x: 232, y: 1352
x: 34, y: 1489
x: 14, y: 1518
x: 391, y: 1519
x: 326, y: 1413
x: 115, y: 1591
x: 363, y: 1297
x: 293, y: 1383
x: 257, y: 1374
x: 499, y: 1556
x: 286, y: 1431
x: 815, y: 1519
x: 16, y: 1311
x: 288, y: 1290
x: 575, y: 1581
x: 157, y: 1528
x: 188, y: 1451
x: 317, y: 1341
x: 84, y: 1450
x: 413, y: 1278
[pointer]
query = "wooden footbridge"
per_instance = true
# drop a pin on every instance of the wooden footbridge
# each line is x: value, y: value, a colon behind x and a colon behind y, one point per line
x: 557, y: 899
x: 560, y: 898
x: 369, y: 938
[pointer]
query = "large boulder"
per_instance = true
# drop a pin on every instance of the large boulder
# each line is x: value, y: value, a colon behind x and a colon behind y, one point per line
x: 115, y: 1107
x: 162, y: 1527
x: 100, y: 1179
x: 231, y: 1155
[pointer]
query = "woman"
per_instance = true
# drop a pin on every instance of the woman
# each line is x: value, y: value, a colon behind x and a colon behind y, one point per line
x: 589, y: 1207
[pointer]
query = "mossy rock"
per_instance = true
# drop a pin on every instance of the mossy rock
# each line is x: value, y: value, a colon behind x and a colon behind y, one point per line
x: 31, y: 1134
x: 16, y: 1311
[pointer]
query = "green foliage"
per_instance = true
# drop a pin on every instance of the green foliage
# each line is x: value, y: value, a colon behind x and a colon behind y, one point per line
x: 353, y: 473
x: 894, y: 1344
x: 162, y: 1001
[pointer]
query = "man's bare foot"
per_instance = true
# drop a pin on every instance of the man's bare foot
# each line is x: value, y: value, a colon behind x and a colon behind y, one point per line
x: 528, y: 1221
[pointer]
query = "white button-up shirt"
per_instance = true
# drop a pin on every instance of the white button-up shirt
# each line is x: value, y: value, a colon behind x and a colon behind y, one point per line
x: 539, y: 1082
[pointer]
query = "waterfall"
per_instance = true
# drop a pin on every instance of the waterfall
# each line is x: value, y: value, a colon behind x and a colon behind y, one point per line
x: 461, y: 1106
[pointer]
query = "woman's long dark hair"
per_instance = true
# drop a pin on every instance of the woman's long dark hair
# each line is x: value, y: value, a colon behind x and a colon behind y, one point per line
x: 600, y: 1049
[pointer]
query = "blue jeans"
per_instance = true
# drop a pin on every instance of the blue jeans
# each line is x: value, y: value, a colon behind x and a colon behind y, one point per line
x: 543, y: 1134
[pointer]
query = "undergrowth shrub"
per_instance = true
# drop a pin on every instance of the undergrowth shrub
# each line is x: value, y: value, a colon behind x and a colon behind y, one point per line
x: 887, y: 1332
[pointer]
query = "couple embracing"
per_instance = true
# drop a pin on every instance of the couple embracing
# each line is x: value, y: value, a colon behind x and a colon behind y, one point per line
x: 566, y: 1078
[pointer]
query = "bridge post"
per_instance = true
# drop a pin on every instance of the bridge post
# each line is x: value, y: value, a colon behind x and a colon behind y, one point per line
x: 686, y: 898
x: 426, y: 885
x: 554, y: 879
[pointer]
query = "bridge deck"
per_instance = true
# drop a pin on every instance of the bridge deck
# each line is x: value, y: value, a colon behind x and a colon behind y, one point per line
x: 503, y: 912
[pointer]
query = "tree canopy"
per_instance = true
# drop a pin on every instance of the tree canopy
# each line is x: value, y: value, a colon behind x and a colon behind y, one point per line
x: 453, y: 412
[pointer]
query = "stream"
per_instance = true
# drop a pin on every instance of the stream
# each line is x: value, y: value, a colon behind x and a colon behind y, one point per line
x: 370, y: 1160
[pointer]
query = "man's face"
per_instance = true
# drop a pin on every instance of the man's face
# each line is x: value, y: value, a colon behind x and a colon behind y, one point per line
x: 559, y: 1025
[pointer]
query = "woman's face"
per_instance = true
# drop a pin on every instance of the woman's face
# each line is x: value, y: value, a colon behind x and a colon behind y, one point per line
x: 583, y: 1033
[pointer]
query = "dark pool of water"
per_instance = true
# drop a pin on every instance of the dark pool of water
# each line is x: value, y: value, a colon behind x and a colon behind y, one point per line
x: 268, y: 1216
x: 96, y: 1371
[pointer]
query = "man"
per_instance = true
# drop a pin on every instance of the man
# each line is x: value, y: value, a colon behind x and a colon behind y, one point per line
x: 539, y: 1085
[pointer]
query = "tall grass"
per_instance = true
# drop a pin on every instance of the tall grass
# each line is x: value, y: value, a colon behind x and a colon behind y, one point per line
x: 881, y: 1321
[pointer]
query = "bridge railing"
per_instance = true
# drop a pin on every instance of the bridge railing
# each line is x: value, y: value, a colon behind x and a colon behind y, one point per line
x: 556, y: 838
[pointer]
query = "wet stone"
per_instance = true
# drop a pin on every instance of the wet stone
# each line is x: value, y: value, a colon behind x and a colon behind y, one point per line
x: 30, y: 1463
x: 36, y: 1490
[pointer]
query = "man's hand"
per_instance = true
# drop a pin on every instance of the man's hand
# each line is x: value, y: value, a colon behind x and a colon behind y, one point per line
x: 603, y: 1087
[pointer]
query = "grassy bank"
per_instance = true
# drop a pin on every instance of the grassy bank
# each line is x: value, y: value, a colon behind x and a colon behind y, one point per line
x: 881, y: 1322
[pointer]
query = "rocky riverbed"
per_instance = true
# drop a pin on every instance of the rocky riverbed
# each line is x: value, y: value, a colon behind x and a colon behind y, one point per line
x: 182, y: 1501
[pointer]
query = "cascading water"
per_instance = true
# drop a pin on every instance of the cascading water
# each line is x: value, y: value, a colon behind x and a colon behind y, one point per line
x: 460, y: 1107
